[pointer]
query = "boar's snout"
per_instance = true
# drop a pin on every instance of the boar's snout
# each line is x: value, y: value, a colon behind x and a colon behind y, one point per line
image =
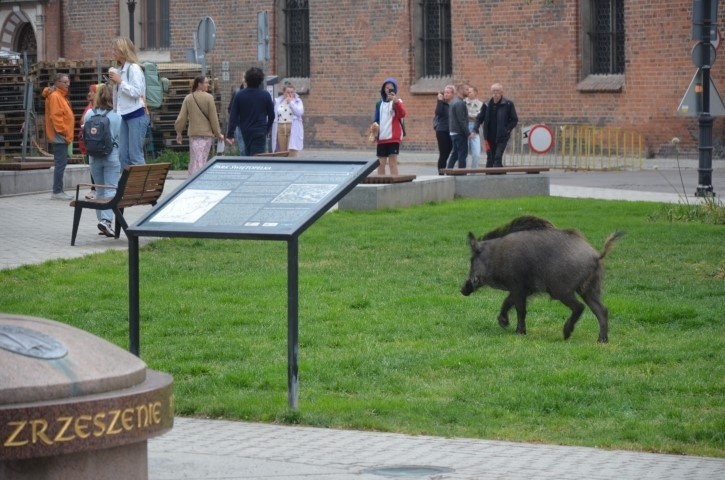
x: 467, y: 288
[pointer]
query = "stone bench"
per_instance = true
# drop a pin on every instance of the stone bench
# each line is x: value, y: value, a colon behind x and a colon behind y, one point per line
x: 22, y: 181
x: 377, y: 192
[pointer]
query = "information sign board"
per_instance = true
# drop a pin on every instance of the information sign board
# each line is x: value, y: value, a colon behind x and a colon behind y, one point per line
x: 244, y: 197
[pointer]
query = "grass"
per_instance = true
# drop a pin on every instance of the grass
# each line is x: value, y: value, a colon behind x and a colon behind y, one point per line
x: 388, y: 343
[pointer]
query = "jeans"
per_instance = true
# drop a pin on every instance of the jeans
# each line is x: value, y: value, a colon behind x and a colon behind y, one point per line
x: 132, y: 140
x: 474, y: 146
x: 60, y: 158
x: 106, y: 171
x: 460, y: 151
x: 254, y: 143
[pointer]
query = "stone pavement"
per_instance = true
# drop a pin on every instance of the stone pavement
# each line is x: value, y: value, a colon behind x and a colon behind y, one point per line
x: 223, y: 450
x: 34, y: 229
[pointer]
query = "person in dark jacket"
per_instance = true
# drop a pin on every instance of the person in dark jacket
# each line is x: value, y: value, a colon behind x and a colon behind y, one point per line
x: 440, y: 125
x: 253, y: 112
x: 498, y: 116
x: 458, y: 125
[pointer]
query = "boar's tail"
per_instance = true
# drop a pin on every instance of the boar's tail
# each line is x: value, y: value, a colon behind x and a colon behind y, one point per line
x: 610, y: 242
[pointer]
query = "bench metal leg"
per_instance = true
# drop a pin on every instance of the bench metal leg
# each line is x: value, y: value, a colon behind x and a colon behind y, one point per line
x: 76, y: 220
x: 120, y: 222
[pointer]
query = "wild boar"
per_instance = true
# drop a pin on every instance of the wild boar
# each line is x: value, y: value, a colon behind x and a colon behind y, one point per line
x: 529, y: 255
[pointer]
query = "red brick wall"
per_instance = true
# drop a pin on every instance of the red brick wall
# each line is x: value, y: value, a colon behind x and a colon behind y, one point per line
x: 532, y: 47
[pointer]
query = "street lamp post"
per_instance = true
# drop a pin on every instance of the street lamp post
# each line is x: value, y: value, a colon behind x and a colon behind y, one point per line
x: 131, y: 7
x: 705, y: 120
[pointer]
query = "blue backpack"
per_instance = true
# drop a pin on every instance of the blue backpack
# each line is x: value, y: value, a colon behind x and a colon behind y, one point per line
x: 97, y: 135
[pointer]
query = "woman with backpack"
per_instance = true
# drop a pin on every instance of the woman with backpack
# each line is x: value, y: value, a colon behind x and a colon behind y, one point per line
x: 199, y: 111
x: 105, y: 167
x: 128, y: 101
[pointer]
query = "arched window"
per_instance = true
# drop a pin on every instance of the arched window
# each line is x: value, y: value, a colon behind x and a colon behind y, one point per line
x: 436, y: 56
x: 157, y: 31
x: 608, y: 37
x: 296, y: 43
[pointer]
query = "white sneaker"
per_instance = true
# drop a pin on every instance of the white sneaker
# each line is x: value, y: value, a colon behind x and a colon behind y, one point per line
x: 60, y: 196
x: 106, y: 229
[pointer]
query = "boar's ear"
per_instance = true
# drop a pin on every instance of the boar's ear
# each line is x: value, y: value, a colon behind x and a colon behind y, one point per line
x: 472, y: 241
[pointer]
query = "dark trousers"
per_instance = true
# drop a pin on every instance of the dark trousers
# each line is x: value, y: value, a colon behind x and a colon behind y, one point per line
x: 445, y: 145
x: 60, y: 160
x: 460, y: 151
x: 494, y: 155
x: 254, y: 144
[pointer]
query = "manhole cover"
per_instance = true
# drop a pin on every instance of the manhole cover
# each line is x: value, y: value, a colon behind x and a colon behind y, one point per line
x: 407, y: 471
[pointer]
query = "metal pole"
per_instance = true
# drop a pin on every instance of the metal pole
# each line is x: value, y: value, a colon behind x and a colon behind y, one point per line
x: 292, y: 323
x: 134, y: 335
x: 131, y: 7
x: 27, y: 107
x: 705, y: 120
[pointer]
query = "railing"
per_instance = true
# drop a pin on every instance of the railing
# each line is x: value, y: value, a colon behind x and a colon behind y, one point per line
x: 581, y: 147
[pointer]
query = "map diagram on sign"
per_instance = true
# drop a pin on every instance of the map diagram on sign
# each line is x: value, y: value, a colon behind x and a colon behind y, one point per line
x: 190, y: 206
x: 307, y: 193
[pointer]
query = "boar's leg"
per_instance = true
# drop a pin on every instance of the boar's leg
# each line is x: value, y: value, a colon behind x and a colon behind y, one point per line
x: 600, y: 311
x: 517, y: 300
x: 503, y: 316
x: 576, y: 307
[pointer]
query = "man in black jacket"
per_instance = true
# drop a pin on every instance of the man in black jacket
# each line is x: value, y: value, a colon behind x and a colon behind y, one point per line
x: 252, y: 110
x: 498, y: 116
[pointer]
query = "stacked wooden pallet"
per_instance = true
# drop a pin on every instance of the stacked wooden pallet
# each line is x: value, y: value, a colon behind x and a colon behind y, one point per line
x: 181, y: 78
x: 12, y: 114
x: 82, y: 74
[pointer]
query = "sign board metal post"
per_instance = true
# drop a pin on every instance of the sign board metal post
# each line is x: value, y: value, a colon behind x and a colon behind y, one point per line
x: 293, y: 324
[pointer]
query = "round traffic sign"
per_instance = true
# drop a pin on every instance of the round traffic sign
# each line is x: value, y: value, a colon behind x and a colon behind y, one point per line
x: 698, y: 54
x: 541, y: 138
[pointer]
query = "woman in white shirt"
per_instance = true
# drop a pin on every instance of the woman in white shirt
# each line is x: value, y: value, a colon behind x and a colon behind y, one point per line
x: 129, y: 102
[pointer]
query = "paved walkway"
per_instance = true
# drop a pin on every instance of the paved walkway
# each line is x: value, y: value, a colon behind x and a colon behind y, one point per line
x: 34, y: 229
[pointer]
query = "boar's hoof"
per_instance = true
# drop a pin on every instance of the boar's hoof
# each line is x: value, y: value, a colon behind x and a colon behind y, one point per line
x: 567, y: 331
x: 521, y: 331
x: 503, y: 321
x: 603, y: 339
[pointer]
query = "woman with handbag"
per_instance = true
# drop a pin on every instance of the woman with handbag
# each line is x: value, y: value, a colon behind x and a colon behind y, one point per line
x: 199, y: 111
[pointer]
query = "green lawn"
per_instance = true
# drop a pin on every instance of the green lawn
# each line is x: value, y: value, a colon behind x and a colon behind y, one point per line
x: 388, y: 343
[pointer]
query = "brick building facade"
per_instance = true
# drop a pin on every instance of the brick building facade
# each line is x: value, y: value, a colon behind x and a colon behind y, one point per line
x: 538, y: 49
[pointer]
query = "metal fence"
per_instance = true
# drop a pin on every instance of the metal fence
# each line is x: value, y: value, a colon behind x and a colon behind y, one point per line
x: 580, y: 147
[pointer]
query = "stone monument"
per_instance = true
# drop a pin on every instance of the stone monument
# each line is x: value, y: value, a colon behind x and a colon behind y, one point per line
x: 73, y: 405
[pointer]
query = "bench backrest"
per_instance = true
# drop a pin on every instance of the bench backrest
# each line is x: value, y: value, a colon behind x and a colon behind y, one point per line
x: 142, y: 184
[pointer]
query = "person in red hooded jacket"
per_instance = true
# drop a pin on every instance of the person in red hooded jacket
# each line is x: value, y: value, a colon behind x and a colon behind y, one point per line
x: 389, y: 113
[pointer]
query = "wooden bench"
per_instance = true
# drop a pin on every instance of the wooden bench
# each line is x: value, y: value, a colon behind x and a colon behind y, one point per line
x: 284, y: 153
x: 376, y: 179
x: 138, y: 185
x: 494, y: 170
